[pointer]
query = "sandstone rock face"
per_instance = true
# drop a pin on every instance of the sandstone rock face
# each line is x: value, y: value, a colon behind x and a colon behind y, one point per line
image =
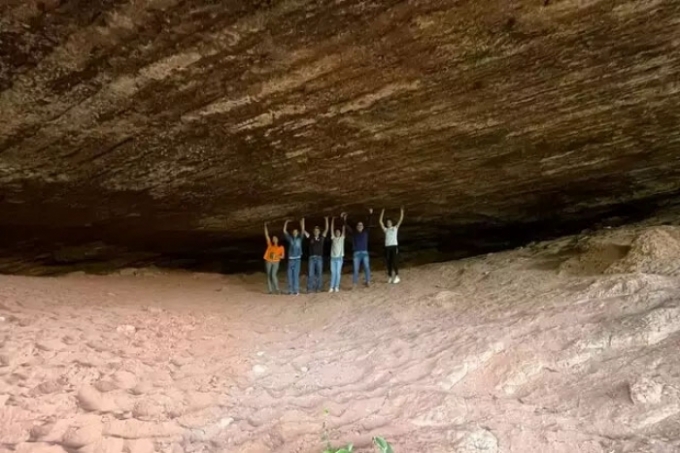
x: 141, y: 128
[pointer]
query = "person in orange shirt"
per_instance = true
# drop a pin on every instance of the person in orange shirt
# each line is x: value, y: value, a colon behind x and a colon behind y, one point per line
x: 272, y: 258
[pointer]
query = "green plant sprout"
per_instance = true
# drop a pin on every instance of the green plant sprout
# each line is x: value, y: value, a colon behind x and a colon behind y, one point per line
x: 382, y: 445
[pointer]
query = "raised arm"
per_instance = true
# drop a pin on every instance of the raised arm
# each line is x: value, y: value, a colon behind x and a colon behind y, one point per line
x: 343, y: 230
x: 285, y: 228
x: 401, y: 217
x: 266, y: 234
x: 325, y: 232
x: 332, y: 226
x: 382, y: 216
x: 345, y: 224
x: 302, y: 227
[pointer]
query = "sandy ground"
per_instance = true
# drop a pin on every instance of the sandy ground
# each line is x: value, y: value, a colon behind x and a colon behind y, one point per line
x: 569, y: 346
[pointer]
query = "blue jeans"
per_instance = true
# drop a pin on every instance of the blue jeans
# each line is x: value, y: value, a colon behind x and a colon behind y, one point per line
x: 315, y: 281
x: 272, y: 279
x: 361, y: 258
x: 294, y: 276
x: 336, y: 271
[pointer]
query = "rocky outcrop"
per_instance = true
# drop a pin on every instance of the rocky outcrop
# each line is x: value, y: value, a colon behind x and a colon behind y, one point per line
x: 163, y: 127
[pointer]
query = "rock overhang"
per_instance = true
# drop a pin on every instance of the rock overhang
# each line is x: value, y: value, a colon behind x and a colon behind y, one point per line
x: 168, y: 126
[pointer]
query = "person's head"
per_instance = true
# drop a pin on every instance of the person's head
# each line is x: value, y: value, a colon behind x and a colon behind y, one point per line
x: 338, y: 233
x: 317, y: 231
x: 388, y: 222
x: 360, y: 227
x: 296, y: 233
x: 275, y: 240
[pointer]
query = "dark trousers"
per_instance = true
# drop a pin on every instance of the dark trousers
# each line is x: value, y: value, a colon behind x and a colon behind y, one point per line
x: 391, y: 256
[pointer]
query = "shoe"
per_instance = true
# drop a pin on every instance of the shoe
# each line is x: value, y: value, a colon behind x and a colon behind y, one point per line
x: 390, y: 280
x: 337, y: 290
x: 396, y: 279
x: 332, y: 290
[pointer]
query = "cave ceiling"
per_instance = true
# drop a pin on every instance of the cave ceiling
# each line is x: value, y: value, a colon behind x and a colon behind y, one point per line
x: 143, y: 120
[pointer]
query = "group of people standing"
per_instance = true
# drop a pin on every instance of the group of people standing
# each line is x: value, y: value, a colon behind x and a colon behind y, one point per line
x: 275, y: 253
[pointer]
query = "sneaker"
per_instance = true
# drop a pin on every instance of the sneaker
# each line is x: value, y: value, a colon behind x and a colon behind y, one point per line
x: 331, y: 290
x: 396, y: 279
x: 390, y: 280
x: 337, y: 290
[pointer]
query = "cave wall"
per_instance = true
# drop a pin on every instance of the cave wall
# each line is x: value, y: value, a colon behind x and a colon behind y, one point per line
x: 159, y: 127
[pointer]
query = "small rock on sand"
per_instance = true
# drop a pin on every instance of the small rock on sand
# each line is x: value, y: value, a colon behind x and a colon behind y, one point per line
x: 142, y: 388
x: 105, y: 385
x: 79, y: 436
x: 479, y: 441
x: 90, y: 399
x: 259, y: 369
x: 646, y: 391
x: 124, y: 380
x: 126, y: 329
x: 46, y: 388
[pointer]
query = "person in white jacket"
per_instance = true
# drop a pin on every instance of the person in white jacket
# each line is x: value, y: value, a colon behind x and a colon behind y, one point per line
x: 391, y: 245
x: 337, y: 255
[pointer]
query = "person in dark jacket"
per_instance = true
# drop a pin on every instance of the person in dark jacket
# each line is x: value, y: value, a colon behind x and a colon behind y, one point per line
x: 360, y: 247
x: 316, y: 244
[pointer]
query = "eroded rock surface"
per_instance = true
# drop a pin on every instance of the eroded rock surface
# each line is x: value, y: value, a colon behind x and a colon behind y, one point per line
x: 161, y: 126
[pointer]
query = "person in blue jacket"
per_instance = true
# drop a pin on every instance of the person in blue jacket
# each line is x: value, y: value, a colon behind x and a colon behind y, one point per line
x: 294, y: 257
x: 360, y: 247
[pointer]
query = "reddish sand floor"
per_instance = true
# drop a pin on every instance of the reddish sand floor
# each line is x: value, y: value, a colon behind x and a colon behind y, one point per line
x: 569, y: 346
